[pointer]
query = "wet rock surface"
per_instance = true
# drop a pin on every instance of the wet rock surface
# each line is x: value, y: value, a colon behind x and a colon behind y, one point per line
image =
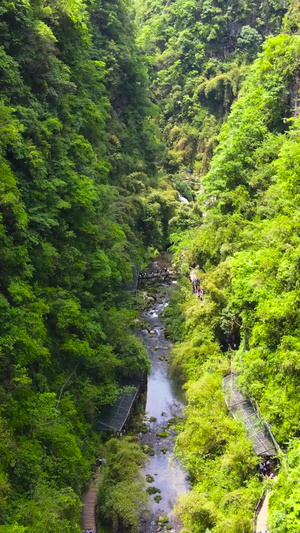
x: 165, y: 401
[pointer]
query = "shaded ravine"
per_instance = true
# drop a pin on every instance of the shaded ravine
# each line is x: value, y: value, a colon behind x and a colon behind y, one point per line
x: 165, y: 400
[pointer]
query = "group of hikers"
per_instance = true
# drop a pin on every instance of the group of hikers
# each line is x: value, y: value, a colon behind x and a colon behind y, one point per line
x: 198, y: 290
x: 101, y: 462
x: 265, y: 469
x: 196, y: 282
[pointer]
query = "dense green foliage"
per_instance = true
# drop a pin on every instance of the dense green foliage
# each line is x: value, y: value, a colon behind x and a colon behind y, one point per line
x: 284, y: 501
x: 199, y: 52
x: 77, y: 150
x: 82, y: 205
x: 246, y: 244
x: 122, y: 499
x: 213, y: 446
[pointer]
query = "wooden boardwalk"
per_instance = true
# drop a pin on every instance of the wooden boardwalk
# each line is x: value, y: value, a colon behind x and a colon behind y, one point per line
x: 262, y: 517
x: 88, y: 516
x: 263, y: 441
x: 241, y: 408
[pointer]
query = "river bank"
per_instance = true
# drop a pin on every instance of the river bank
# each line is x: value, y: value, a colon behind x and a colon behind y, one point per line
x: 165, y: 478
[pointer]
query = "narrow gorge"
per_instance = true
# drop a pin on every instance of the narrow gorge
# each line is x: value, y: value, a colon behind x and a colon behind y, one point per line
x: 149, y: 141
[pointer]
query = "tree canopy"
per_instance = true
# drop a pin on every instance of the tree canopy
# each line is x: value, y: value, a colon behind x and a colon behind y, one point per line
x: 78, y: 147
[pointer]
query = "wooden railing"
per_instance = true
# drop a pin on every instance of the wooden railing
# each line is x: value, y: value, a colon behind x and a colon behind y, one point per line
x: 258, y: 508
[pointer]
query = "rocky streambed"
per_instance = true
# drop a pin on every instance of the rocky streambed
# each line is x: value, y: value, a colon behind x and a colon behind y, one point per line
x: 166, y: 479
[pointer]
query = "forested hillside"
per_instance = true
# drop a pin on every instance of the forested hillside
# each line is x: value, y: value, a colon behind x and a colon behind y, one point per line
x: 199, y: 52
x: 78, y: 147
x: 246, y: 244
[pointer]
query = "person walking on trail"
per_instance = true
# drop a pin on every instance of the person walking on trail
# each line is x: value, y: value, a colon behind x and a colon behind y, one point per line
x: 194, y: 277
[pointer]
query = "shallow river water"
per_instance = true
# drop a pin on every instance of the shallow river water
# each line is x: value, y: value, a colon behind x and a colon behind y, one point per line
x: 165, y: 400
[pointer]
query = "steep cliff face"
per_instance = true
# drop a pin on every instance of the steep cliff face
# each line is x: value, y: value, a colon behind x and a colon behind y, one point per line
x: 200, y: 52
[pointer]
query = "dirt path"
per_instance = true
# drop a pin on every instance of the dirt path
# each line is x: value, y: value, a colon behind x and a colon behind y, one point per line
x: 88, y: 517
x: 262, y: 517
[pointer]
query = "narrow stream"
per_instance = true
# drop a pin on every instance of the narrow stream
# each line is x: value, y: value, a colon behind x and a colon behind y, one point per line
x: 165, y: 401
